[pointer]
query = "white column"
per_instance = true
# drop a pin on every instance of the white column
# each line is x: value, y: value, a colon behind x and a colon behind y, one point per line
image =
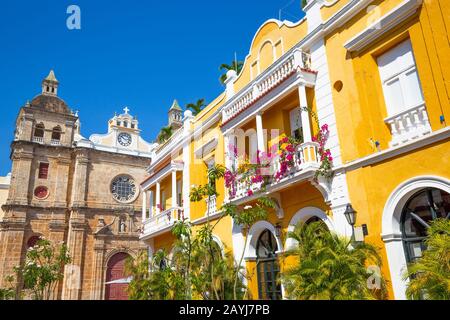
x: 158, y: 198
x: 174, y: 189
x: 150, y: 210
x: 228, y: 151
x: 187, y: 164
x: 260, y: 133
x: 144, y: 205
x: 306, y: 125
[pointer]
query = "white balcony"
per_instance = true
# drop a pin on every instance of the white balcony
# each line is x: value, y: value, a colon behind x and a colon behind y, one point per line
x: 38, y: 140
x: 409, y: 125
x: 161, y: 222
x: 306, y: 162
x: 293, y: 62
x: 55, y: 142
x: 211, y: 206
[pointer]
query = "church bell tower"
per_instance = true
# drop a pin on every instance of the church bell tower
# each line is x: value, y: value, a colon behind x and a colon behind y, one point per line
x: 175, y: 116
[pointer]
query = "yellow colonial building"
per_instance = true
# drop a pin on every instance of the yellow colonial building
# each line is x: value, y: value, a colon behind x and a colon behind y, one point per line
x: 368, y: 80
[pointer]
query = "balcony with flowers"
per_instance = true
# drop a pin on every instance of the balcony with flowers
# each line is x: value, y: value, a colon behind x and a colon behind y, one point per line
x: 289, y: 161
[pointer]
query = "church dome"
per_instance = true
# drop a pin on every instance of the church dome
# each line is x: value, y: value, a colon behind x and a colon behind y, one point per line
x: 49, y: 100
x: 50, y: 103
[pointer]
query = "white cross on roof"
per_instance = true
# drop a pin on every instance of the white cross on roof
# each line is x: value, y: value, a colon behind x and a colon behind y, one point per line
x: 126, y: 110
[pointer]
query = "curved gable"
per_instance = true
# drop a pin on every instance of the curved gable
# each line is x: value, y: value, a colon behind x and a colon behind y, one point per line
x: 271, y: 41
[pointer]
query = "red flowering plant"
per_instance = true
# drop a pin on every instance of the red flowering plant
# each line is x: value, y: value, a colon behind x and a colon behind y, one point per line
x: 251, y: 176
x: 231, y: 174
x: 326, y: 160
x: 287, y: 159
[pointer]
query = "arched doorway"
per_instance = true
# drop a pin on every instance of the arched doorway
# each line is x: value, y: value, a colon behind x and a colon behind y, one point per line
x: 419, y: 212
x: 308, y: 215
x: 408, y: 212
x: 116, y: 287
x: 268, y: 269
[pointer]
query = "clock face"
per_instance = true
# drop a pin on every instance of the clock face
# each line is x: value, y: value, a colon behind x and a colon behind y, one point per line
x: 124, y: 139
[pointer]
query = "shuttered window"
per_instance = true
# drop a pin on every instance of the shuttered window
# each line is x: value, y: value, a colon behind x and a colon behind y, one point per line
x: 401, y: 84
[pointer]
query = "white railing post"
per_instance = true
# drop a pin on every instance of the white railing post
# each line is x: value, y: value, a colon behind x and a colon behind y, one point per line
x: 298, y: 58
x: 229, y: 83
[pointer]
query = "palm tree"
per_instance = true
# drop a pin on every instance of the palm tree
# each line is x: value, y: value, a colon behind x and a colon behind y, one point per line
x: 165, y: 134
x: 328, y: 268
x: 235, y: 65
x: 197, y: 107
x: 430, y: 275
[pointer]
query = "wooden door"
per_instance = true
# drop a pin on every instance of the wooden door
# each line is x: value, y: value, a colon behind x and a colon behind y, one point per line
x: 116, y: 271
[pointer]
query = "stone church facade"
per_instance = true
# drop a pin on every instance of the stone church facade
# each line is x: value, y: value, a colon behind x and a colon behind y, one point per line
x: 83, y: 192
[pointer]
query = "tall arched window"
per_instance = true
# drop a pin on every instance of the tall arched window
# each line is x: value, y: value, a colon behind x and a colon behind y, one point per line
x: 268, y: 268
x: 56, y: 134
x: 33, y: 241
x: 418, y: 213
x: 39, y: 132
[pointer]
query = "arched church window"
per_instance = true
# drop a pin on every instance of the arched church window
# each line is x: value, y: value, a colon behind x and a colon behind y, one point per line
x: 39, y: 131
x: 419, y: 212
x: 56, y: 133
x: 33, y: 241
x: 268, y: 269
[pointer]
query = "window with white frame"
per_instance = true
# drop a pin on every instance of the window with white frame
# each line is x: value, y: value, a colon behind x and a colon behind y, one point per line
x: 401, y: 84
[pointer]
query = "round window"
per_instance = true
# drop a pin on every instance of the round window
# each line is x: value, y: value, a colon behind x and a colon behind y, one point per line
x: 41, y: 192
x: 123, y: 189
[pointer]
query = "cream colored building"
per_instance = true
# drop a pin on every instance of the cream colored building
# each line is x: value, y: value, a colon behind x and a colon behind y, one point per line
x: 4, y: 189
x: 67, y: 188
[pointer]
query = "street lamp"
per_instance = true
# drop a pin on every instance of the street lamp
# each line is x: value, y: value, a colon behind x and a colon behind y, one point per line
x: 350, y: 215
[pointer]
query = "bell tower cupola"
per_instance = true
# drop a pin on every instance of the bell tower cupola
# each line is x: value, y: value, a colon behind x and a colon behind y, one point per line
x: 175, y: 115
x: 50, y: 85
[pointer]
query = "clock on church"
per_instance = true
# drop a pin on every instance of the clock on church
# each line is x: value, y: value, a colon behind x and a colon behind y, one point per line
x: 124, y: 139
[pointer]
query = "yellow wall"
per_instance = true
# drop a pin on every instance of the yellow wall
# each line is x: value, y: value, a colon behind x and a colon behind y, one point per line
x: 360, y: 111
x: 370, y: 187
x: 360, y: 106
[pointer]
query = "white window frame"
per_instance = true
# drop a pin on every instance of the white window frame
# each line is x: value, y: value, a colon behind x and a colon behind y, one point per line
x: 401, y: 77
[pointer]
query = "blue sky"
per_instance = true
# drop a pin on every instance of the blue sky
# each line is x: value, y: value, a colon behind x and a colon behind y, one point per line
x: 140, y: 54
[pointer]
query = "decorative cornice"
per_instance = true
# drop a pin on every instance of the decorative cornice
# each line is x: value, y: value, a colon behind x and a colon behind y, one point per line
x: 435, y: 137
x: 389, y: 21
